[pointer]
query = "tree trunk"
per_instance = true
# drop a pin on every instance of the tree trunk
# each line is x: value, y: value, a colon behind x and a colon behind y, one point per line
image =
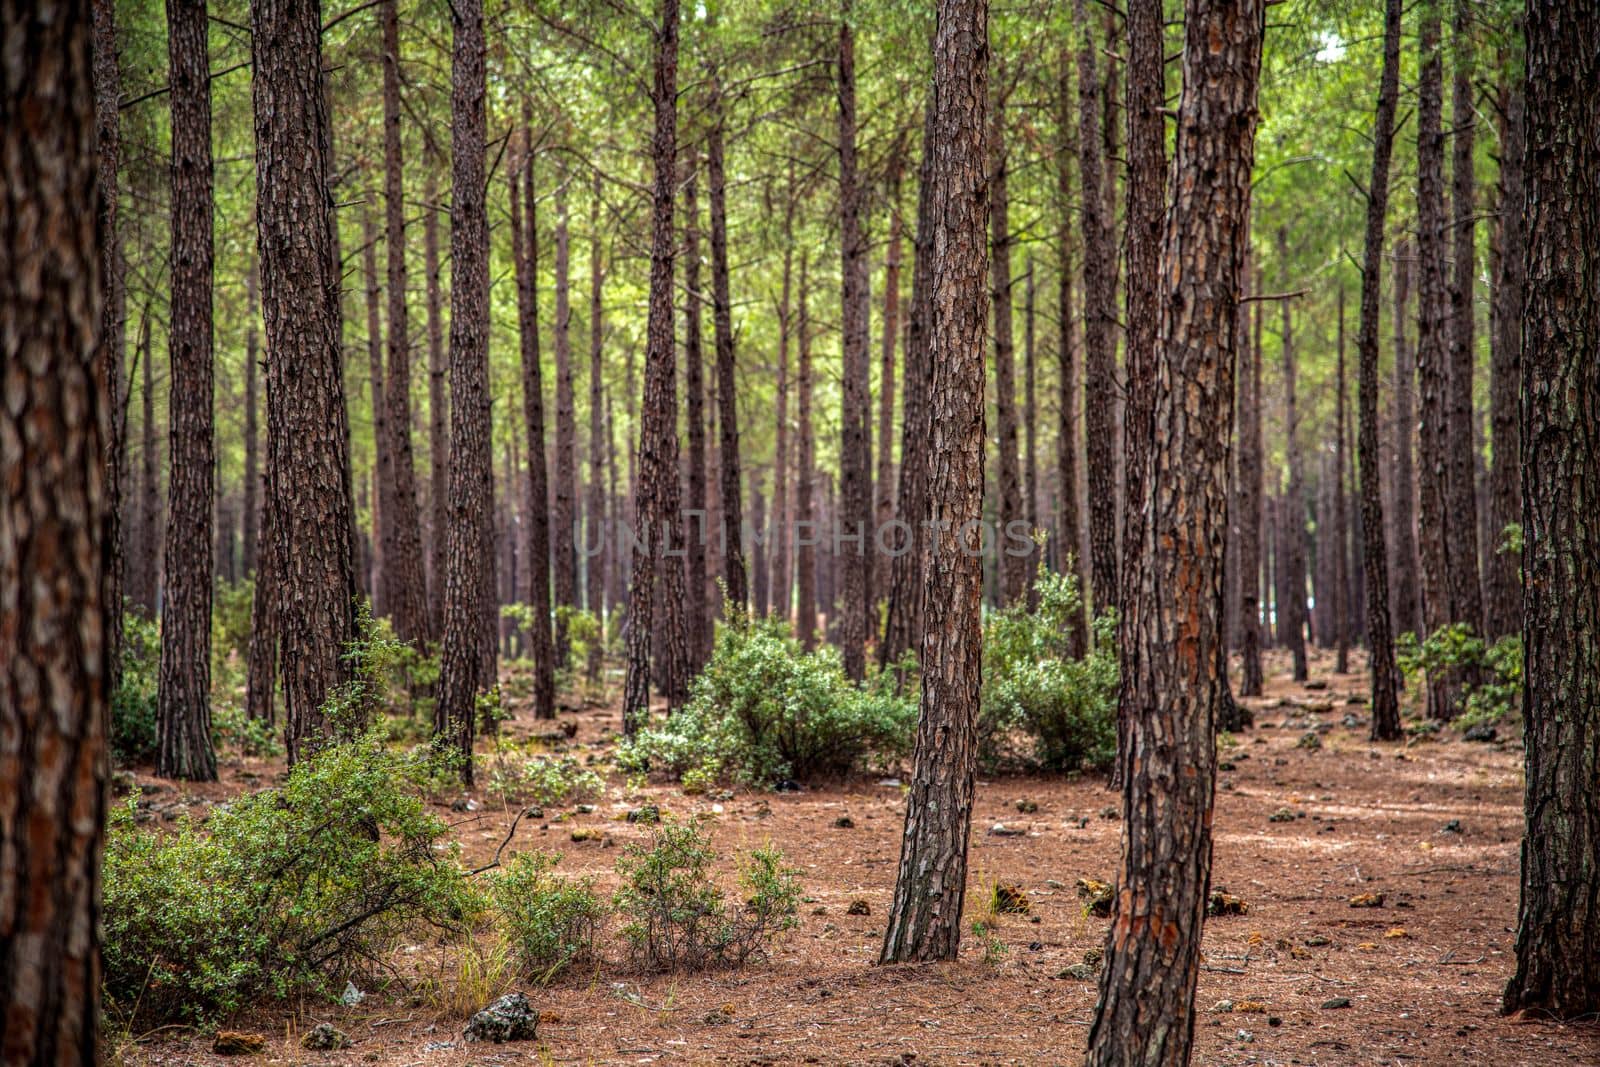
x: 782, y: 572
x: 1503, y: 583
x: 469, y: 589
x: 883, y: 485
x: 925, y: 916
x: 855, y: 494
x: 564, y: 501
x: 536, y: 584
x: 1406, y: 606
x: 656, y: 506
x: 732, y: 542
x: 1030, y: 413
x: 696, y: 521
x: 1069, y: 396
x: 55, y: 668
x: 408, y: 583
x: 438, y: 411
x: 1341, y: 525
x: 597, y: 545
x: 1380, y: 645
x: 183, y: 703
x: 1146, y: 1009
x: 1433, y: 358
x: 1249, y: 493
x: 147, y: 589
x: 1558, y: 933
x: 1099, y: 321
x: 113, y: 330
x: 1292, y: 510
x: 1013, y: 564
x: 252, y: 464
x: 261, y: 671
x: 382, y: 470
x: 804, y: 510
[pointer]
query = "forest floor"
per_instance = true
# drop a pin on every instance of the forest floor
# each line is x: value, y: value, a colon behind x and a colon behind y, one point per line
x: 1432, y: 825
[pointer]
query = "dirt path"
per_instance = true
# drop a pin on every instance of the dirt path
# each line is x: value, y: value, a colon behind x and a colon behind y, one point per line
x: 1433, y: 827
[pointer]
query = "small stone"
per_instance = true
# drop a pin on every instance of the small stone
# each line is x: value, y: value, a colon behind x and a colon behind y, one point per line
x: 1000, y: 829
x: 1451, y: 827
x: 1223, y: 903
x: 1078, y: 972
x: 1035, y: 946
x: 1336, y: 1002
x: 1480, y: 731
x: 351, y: 995
x: 1097, y: 897
x: 819, y: 910
x: 1093, y: 956
x: 533, y: 811
x: 1351, y: 721
x: 324, y: 1037
x: 858, y: 907
x: 237, y: 1043
x: 1310, y: 741
x: 464, y: 804
x: 588, y: 833
x: 1111, y: 812
x: 584, y: 809
x: 844, y: 822
x: 1282, y: 815
x: 1367, y: 900
x: 1318, y: 940
x: 511, y: 1018
x: 1222, y: 1007
x: 1227, y: 765
x: 787, y: 785
x: 1027, y: 807
x: 1273, y: 1020
x: 647, y: 815
x: 1245, y: 1037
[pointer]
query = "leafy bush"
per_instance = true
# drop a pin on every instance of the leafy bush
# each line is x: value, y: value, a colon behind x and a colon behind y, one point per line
x: 286, y: 890
x: 1455, y: 647
x: 133, y: 705
x: 517, y: 772
x: 764, y: 709
x: 551, y: 921
x: 1032, y: 685
x: 677, y: 918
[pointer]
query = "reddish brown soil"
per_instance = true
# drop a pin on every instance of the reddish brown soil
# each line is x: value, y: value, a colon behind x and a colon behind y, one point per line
x: 1423, y: 973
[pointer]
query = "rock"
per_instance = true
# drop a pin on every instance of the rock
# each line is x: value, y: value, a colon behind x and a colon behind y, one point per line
x: 1000, y: 829
x: 1096, y: 896
x: 1480, y: 731
x: 237, y: 1043
x: 787, y: 785
x: 647, y: 815
x: 511, y: 1018
x: 464, y: 804
x: 351, y: 995
x: 1223, y: 903
x: 324, y: 1037
x: 588, y: 833
x: 1318, y: 940
x: 1351, y: 721
x: 1027, y: 807
x: 1451, y: 827
x: 584, y: 809
x: 1245, y: 1037
x: 844, y: 822
x: 533, y: 811
x: 1282, y: 815
x: 1309, y: 741
x: 1111, y: 812
x: 1227, y: 765
x: 123, y: 783
x: 858, y: 907
x: 1336, y: 1002
x: 1078, y: 972
x: 820, y: 909
x: 1367, y: 900
x: 1010, y: 899
x: 1093, y: 956
x: 1222, y: 1007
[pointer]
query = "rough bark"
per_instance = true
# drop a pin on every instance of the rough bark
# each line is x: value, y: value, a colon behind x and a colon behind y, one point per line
x: 1341, y: 524
x: 925, y: 916
x: 597, y: 545
x: 1292, y: 514
x: 54, y: 541
x: 805, y: 477
x: 1146, y: 1009
x: 564, y: 499
x: 382, y: 473
x: 656, y: 500
x: 113, y: 316
x: 855, y: 494
x: 1558, y: 933
x: 696, y: 521
x: 438, y: 410
x: 261, y: 670
x: 1069, y: 395
x: 147, y: 584
x: 1406, y: 605
x: 884, y: 484
x: 1503, y: 581
x: 468, y: 532
x: 536, y: 529
x: 1099, y: 322
x: 1380, y: 645
x: 732, y: 539
x: 782, y: 570
x: 1013, y: 566
x: 402, y: 552
x: 1248, y: 497
x: 251, y: 519
x: 183, y: 701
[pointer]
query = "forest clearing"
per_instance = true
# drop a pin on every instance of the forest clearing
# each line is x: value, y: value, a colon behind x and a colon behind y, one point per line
x: 624, y: 531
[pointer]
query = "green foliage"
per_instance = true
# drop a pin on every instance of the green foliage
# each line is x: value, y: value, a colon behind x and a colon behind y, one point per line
x: 1031, y: 684
x: 230, y: 619
x: 519, y: 772
x: 676, y: 917
x: 552, y: 922
x: 764, y: 709
x: 286, y: 890
x: 133, y: 705
x: 1455, y: 647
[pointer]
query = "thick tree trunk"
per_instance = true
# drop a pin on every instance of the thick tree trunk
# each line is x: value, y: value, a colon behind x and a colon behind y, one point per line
x: 536, y: 530
x: 469, y: 589
x: 696, y: 520
x: 1249, y: 495
x: 855, y: 494
x: 308, y: 459
x: 55, y: 669
x: 251, y: 532
x: 782, y: 571
x: 261, y: 670
x: 1433, y: 357
x: 438, y: 411
x: 1558, y: 933
x: 1292, y: 509
x: 113, y: 317
x: 1406, y: 605
x: 806, y: 533
x: 564, y: 501
x: 1030, y: 414
x: 1099, y: 322
x: 183, y: 703
x: 732, y: 540
x: 884, y: 484
x: 1380, y: 645
x: 382, y: 471
x: 1146, y: 1009
x: 408, y: 583
x: 656, y: 506
x: 1013, y: 565
x: 1503, y: 581
x: 597, y: 545
x: 925, y: 917
x: 147, y: 587
x: 1069, y: 396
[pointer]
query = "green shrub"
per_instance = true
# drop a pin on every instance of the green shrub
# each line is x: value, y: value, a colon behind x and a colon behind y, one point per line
x: 764, y: 709
x: 550, y: 921
x: 1455, y: 647
x: 517, y: 772
x: 1032, y: 686
x: 133, y: 705
x: 287, y: 890
x: 676, y: 916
